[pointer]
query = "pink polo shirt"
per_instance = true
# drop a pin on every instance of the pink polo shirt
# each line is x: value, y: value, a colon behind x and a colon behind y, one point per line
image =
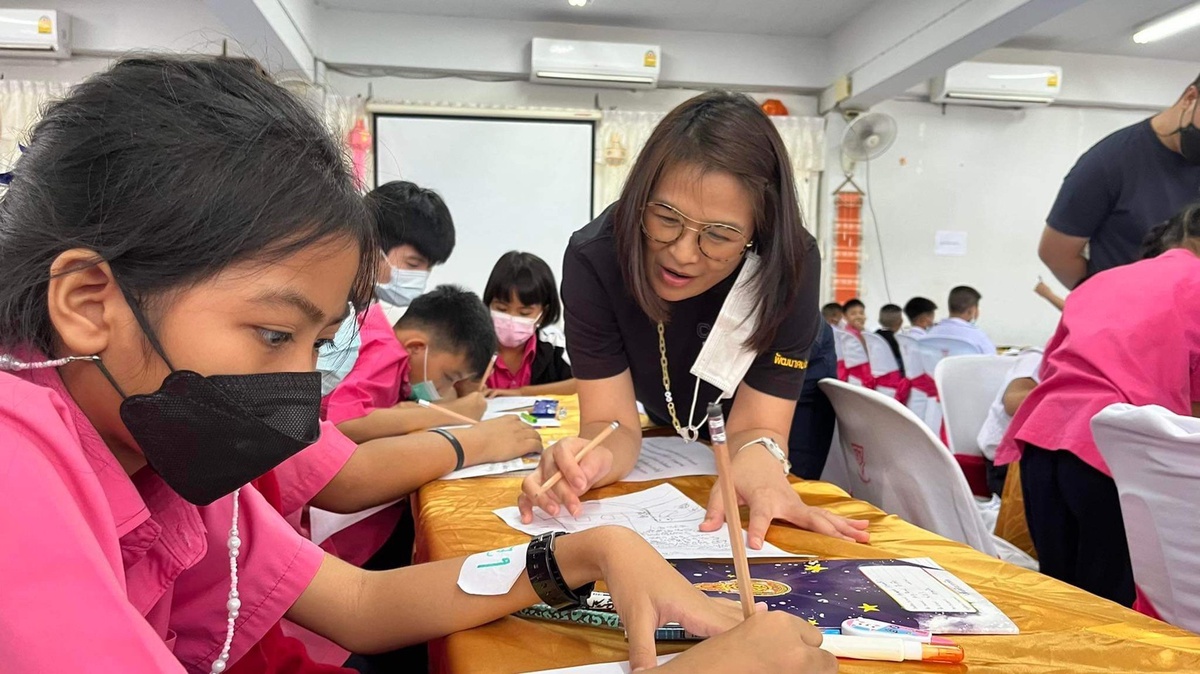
x: 1128, y: 335
x: 379, y: 378
x: 104, y: 572
x: 503, y: 378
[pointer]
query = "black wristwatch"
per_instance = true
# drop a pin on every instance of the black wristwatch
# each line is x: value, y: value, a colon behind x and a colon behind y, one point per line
x: 546, y: 578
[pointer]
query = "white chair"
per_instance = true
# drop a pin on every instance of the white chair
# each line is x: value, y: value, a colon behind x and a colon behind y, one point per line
x: 884, y: 367
x: 967, y: 386
x: 1152, y: 453
x: 853, y: 356
x: 897, y: 464
x: 931, y: 351
x: 918, y: 399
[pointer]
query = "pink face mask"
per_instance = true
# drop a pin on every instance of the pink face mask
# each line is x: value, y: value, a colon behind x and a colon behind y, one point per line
x: 513, y: 331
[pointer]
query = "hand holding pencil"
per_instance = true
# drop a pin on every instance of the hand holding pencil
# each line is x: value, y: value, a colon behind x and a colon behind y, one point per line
x: 568, y: 469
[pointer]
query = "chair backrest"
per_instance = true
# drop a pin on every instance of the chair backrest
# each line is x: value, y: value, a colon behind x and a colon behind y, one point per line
x: 1152, y: 454
x: 910, y: 354
x: 967, y: 386
x: 934, y: 349
x: 879, y: 353
x: 837, y: 343
x: 898, y: 465
x: 850, y: 350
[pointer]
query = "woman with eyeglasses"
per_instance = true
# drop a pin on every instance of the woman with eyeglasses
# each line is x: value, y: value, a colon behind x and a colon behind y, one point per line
x: 708, y: 224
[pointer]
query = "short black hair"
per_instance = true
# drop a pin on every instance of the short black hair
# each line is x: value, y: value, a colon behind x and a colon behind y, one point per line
x: 962, y: 299
x: 829, y: 309
x: 529, y: 277
x: 172, y: 168
x: 1171, y: 234
x: 917, y: 307
x: 850, y: 304
x: 406, y: 213
x: 891, y: 315
x: 457, y: 321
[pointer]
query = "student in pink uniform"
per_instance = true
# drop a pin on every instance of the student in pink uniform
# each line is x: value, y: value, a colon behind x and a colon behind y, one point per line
x: 183, y: 310
x: 523, y: 298
x: 1149, y: 356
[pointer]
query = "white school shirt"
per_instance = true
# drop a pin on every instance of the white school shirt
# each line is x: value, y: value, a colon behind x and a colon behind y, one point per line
x: 957, y: 327
x: 1026, y: 364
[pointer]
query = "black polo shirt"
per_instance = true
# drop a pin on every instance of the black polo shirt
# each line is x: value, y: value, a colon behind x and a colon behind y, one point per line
x: 607, y: 332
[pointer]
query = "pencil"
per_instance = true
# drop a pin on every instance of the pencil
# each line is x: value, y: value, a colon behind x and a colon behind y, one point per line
x: 557, y: 477
x: 733, y: 519
x: 487, y: 372
x: 450, y: 413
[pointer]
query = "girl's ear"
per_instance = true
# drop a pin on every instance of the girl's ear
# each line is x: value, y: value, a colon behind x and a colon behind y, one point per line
x: 84, y: 302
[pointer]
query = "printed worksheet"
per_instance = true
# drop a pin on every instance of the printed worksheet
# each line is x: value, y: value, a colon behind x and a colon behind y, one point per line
x: 516, y: 465
x: 498, y: 406
x: 322, y: 524
x: 663, y: 515
x: 602, y: 668
x: 664, y: 458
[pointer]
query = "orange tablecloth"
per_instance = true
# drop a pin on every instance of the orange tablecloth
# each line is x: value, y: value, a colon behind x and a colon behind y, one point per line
x: 1062, y: 629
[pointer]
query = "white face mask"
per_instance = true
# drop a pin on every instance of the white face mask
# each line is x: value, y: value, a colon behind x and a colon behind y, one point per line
x: 725, y: 358
x: 336, y: 360
x: 402, y: 287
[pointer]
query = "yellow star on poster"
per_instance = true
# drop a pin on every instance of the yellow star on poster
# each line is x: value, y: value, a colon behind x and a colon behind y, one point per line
x: 814, y: 567
x: 812, y: 621
x: 867, y: 608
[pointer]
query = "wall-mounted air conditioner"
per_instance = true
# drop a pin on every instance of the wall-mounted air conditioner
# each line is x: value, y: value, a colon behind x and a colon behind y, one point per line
x: 595, y: 64
x: 1006, y: 85
x: 38, y: 33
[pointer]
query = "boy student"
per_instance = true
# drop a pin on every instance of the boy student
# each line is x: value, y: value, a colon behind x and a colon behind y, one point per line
x: 416, y: 233
x: 964, y: 312
x: 891, y: 318
x: 921, y: 313
x: 834, y: 314
x: 856, y: 316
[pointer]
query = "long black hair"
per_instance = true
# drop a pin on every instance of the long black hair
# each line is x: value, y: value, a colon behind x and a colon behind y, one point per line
x: 1173, y: 233
x: 723, y: 131
x: 528, y: 277
x: 171, y: 169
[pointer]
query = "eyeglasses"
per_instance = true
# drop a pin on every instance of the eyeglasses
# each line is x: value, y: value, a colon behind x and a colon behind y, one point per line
x: 717, y: 241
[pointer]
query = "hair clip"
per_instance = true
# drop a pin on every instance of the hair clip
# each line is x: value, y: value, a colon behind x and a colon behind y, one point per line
x: 12, y: 364
x: 6, y: 178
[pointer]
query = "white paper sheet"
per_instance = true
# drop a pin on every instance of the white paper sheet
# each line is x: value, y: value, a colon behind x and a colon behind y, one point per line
x: 919, y: 590
x: 484, y: 469
x: 603, y: 668
x: 322, y: 524
x: 497, y: 406
x: 664, y: 458
x: 668, y: 520
x: 952, y: 243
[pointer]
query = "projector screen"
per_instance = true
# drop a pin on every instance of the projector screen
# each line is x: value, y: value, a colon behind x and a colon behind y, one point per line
x: 510, y: 184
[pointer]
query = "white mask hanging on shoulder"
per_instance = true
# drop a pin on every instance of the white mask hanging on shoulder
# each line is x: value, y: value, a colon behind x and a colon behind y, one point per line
x: 725, y: 359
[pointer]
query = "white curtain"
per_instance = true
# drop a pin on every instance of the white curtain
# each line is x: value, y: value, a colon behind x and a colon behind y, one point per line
x: 21, y: 105
x: 622, y: 133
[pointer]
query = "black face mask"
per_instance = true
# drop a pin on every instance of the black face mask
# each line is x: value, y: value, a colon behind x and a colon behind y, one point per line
x: 1189, y: 141
x: 207, y: 436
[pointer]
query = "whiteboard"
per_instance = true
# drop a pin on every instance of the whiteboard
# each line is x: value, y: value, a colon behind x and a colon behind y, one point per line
x: 510, y: 184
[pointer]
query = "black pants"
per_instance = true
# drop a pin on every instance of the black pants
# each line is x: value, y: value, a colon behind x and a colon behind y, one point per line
x: 813, y: 420
x: 1074, y: 518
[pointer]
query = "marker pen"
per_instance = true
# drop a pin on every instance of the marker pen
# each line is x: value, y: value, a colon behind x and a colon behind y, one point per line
x: 889, y: 650
x: 865, y: 627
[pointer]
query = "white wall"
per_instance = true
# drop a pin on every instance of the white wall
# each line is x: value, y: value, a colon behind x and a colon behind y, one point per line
x: 992, y: 173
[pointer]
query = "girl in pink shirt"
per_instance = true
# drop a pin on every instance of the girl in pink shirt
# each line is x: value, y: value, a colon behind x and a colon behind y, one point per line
x: 178, y: 240
x: 1148, y: 354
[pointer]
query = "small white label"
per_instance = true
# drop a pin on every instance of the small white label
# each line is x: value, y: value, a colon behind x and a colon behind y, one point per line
x: 494, y: 572
x: 950, y: 243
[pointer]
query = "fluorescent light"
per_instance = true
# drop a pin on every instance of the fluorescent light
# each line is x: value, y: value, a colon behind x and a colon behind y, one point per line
x: 577, y: 3
x: 556, y: 75
x: 1171, y: 24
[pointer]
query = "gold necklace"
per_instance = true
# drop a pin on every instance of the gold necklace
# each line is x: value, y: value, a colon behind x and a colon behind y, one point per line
x: 662, y: 360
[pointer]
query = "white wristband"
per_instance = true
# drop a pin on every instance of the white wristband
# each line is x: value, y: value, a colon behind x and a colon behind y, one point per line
x: 775, y: 450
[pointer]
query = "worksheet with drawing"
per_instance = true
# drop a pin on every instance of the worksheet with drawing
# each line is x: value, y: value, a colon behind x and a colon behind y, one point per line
x: 663, y: 515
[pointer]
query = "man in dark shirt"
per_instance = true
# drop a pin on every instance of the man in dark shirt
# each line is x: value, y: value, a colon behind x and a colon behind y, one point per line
x: 891, y: 317
x: 1122, y: 187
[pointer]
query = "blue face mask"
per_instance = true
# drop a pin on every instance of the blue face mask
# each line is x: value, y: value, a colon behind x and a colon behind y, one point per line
x: 335, y: 360
x: 425, y: 390
x: 402, y: 287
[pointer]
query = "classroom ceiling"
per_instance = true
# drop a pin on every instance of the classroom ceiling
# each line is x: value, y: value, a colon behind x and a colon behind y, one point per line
x: 798, y: 18
x: 1107, y: 27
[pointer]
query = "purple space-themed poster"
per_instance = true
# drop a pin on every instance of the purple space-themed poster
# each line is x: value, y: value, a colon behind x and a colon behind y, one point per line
x: 910, y: 592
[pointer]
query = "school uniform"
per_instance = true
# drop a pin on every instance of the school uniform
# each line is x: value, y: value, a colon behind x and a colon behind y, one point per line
x: 378, y: 380
x: 890, y: 337
x: 1025, y: 366
x: 608, y: 333
x: 110, y: 572
x: 544, y: 361
x: 1148, y: 355
x: 966, y: 331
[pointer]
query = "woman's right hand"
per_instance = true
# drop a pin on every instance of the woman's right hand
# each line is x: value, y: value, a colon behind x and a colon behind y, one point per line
x: 578, y: 477
x: 772, y: 641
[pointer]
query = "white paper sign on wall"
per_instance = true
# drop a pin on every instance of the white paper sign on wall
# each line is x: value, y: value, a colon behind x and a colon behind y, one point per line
x: 950, y: 243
